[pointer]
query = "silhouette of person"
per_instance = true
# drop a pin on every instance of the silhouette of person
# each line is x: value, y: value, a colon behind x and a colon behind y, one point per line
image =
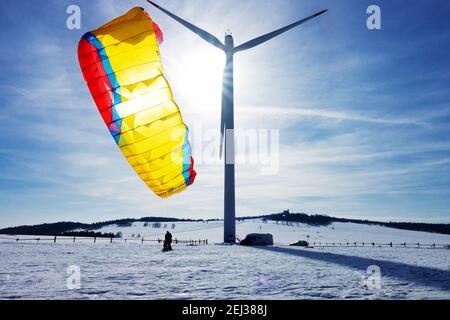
x: 167, y: 242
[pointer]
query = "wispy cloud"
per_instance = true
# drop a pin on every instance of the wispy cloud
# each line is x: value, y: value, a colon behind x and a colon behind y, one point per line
x: 329, y: 114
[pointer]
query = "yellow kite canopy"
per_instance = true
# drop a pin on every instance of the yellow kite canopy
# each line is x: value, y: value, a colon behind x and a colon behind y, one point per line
x: 121, y: 64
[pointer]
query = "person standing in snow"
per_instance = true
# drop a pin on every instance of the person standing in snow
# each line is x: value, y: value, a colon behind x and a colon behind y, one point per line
x: 168, y: 242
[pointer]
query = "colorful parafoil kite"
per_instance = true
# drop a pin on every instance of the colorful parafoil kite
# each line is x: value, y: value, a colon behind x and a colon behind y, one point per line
x: 121, y: 64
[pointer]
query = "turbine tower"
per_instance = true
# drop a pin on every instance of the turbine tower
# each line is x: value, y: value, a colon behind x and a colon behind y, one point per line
x: 227, y: 114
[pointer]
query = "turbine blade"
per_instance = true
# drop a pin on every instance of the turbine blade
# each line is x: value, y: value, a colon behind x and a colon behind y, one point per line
x: 257, y: 41
x: 201, y: 33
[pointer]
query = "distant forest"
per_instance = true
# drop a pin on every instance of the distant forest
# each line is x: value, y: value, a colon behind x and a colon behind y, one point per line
x: 80, y: 229
x: 322, y: 220
x: 68, y: 228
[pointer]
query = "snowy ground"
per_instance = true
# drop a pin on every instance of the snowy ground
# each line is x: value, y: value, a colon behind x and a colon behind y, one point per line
x: 135, y: 271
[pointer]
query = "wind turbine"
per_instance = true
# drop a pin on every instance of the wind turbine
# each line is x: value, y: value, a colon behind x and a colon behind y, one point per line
x: 227, y: 114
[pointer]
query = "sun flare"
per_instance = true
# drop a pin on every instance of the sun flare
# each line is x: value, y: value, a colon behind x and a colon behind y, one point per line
x: 198, y: 75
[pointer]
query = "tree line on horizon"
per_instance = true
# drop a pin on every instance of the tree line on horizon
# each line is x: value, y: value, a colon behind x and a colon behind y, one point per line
x: 323, y: 220
x: 64, y: 228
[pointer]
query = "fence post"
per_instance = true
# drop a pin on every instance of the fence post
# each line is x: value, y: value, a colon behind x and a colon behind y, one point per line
x: 54, y: 240
x: 110, y: 240
x: 95, y: 239
x: 142, y: 240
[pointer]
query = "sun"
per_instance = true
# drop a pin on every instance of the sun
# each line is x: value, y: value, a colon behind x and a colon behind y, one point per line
x: 197, y: 75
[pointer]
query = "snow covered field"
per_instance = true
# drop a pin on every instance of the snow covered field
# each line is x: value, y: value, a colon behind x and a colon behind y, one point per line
x: 131, y: 270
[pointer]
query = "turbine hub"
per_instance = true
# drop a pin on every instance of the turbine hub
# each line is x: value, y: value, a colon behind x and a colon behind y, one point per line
x: 229, y: 44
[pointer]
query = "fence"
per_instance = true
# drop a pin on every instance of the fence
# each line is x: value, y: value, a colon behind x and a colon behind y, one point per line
x: 142, y: 240
x: 374, y: 244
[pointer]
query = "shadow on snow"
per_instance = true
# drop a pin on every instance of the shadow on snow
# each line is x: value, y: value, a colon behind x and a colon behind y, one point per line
x: 419, y: 275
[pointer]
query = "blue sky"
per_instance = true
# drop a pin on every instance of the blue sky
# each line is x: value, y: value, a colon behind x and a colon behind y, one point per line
x: 364, y: 115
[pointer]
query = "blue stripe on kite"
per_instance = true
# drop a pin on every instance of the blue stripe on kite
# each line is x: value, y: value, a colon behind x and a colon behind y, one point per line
x: 117, y: 138
x: 116, y: 97
x: 186, y: 158
x: 115, y: 115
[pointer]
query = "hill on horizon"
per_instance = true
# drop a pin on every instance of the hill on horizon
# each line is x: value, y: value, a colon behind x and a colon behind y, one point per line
x: 60, y: 228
